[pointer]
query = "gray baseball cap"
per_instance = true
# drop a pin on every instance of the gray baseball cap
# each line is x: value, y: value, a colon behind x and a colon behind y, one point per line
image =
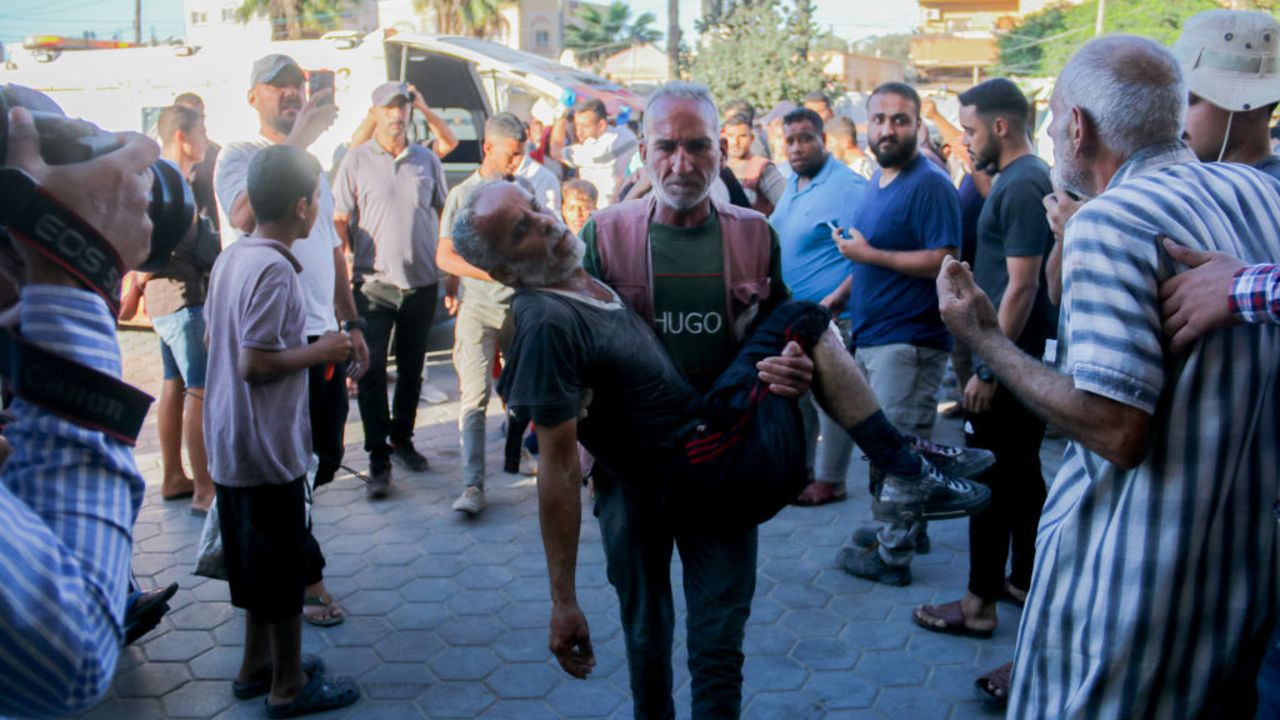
x: 270, y: 67
x: 389, y: 92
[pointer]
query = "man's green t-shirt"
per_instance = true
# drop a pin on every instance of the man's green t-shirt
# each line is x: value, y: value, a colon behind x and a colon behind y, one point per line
x: 690, y: 316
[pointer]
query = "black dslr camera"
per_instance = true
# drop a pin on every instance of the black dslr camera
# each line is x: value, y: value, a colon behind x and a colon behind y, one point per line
x: 65, y: 141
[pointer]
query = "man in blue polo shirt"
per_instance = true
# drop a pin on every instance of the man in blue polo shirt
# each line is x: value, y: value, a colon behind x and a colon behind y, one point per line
x: 387, y: 201
x: 821, y: 192
x: 908, y: 223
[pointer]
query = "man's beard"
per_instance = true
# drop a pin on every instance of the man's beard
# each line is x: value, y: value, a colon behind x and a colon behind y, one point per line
x: 282, y: 124
x: 896, y: 154
x: 540, y: 273
x: 1064, y: 175
x: 678, y: 203
x: 810, y: 168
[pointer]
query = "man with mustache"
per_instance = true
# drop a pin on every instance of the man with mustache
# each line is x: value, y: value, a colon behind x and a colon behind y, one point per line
x: 909, y: 222
x: 276, y: 93
x: 396, y: 190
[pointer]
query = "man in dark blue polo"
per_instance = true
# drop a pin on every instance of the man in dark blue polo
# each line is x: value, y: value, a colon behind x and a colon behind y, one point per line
x: 387, y: 201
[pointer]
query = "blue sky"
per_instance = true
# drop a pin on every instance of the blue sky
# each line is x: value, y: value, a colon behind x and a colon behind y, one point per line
x: 19, y: 18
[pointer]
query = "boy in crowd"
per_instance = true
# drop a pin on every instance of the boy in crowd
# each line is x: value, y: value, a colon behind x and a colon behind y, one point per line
x: 259, y: 433
x: 580, y: 198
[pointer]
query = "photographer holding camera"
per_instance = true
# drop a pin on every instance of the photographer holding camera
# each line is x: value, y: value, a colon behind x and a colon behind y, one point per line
x: 71, y: 491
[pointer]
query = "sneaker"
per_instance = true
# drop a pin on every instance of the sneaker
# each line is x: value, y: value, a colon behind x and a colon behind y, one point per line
x: 867, y: 564
x: 528, y: 463
x: 951, y: 460
x: 411, y: 458
x: 867, y: 536
x: 929, y: 495
x: 433, y: 395
x: 471, y: 501
x: 379, y: 479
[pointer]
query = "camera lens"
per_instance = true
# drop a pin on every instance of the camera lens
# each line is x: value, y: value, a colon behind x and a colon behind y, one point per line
x: 172, y: 210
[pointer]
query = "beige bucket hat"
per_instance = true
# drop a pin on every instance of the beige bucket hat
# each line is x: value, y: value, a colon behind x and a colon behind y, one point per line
x: 1230, y: 58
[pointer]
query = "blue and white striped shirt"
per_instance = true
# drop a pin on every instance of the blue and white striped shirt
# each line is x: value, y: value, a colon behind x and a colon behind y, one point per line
x: 68, y: 500
x: 1149, y: 583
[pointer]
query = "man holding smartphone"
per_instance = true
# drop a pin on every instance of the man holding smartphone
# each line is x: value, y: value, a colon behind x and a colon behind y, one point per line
x: 287, y: 116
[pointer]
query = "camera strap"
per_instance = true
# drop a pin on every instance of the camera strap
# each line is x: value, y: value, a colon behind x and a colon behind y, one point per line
x: 79, y: 394
x: 40, y: 222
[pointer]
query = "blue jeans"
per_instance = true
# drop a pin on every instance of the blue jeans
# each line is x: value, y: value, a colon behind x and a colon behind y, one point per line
x: 182, y: 345
x: 719, y: 581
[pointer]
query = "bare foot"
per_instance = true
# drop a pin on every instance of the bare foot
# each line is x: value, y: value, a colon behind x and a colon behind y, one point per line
x: 200, y: 503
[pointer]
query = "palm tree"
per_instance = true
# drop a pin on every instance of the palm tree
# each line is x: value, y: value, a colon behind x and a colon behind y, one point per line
x: 294, y: 19
x: 596, y: 36
x: 477, y: 18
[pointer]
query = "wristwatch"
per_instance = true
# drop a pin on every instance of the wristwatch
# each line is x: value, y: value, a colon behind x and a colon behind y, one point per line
x: 17, y: 189
x: 984, y: 374
x: 357, y: 324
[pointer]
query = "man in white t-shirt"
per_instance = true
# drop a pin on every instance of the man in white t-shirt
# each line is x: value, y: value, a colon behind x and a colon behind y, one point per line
x: 602, y: 153
x: 276, y: 92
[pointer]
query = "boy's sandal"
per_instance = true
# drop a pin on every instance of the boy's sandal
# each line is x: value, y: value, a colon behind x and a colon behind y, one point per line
x: 261, y: 685
x: 321, y: 693
x: 993, y: 688
x: 949, y: 619
x: 323, y: 600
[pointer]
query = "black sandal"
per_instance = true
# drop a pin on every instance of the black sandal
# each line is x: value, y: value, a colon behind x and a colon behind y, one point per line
x: 993, y: 688
x: 321, y: 693
x: 261, y: 685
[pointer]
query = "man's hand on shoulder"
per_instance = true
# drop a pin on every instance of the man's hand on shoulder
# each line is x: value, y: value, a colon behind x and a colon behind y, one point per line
x: 1196, y: 301
x: 788, y: 375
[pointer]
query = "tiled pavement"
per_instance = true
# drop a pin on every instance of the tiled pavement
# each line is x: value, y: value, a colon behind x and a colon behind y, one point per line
x: 447, y: 617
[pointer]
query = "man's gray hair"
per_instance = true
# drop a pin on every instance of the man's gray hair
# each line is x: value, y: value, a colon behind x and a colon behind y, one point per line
x: 474, y: 247
x: 682, y: 90
x: 1130, y: 87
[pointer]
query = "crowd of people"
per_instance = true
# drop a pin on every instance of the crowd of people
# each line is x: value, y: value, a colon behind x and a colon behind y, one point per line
x: 697, y: 308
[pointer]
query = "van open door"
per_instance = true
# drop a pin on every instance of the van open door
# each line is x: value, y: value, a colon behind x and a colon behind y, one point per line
x: 451, y: 88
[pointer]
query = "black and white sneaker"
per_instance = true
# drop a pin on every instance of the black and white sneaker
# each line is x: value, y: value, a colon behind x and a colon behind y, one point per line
x: 409, y: 456
x: 929, y: 495
x: 952, y: 460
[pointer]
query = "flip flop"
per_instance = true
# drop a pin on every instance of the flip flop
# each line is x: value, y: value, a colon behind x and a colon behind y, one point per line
x: 952, y: 618
x: 181, y: 494
x: 324, y: 600
x: 321, y: 693
x: 146, y: 612
x: 258, y: 686
x: 986, y: 687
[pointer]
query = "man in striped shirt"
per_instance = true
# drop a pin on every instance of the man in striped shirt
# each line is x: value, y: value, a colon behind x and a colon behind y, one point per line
x: 1155, y: 582
x: 69, y: 494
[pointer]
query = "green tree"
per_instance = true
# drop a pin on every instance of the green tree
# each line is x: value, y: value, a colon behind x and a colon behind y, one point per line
x: 295, y: 19
x: 1043, y: 42
x: 477, y: 18
x: 760, y: 50
x: 598, y: 35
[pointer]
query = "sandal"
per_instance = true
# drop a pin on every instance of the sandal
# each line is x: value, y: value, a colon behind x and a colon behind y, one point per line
x: 261, y: 685
x: 321, y: 693
x: 953, y: 620
x: 993, y: 688
x: 323, y: 600
x: 820, y: 493
x: 146, y: 611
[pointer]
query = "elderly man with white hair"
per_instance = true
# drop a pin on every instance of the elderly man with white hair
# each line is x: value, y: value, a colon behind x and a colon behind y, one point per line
x: 1155, y: 583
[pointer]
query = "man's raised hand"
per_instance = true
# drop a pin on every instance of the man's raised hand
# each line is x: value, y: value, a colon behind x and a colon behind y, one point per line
x: 966, y: 310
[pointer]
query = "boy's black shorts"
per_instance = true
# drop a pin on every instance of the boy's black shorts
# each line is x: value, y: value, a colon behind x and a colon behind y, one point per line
x: 267, y: 548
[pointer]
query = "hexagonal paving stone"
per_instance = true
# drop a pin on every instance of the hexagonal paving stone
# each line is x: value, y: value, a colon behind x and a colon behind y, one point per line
x: 396, y: 681
x: 788, y: 705
x: 409, y: 646
x: 938, y: 649
x: 455, y: 699
x: 484, y: 577
x: 198, y: 699
x: 398, y: 554
x: 337, y: 566
x: 448, y: 543
x: 914, y: 702
x: 470, y: 631
x: 527, y: 615
x: 381, y: 577
x: 478, y: 602
x: 133, y: 708
x: 841, y: 689
x: 177, y: 645
x: 359, y: 631
x: 768, y: 640
x: 419, y: 616
x: 350, y: 543
x: 374, y: 709
x: 220, y: 663
x: 813, y: 623
x: 527, y: 645
x: 151, y: 680
x: 372, y: 602
x: 201, y: 616
x: 892, y: 667
x: 825, y: 654
x: 429, y: 589
x: 522, y: 680
x: 519, y: 710
x: 772, y: 672
x: 875, y: 635
x: 593, y: 698
x: 352, y: 661
x: 463, y: 663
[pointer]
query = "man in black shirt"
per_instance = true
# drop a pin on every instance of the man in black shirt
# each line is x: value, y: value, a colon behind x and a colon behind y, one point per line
x: 585, y: 367
x: 1013, y: 241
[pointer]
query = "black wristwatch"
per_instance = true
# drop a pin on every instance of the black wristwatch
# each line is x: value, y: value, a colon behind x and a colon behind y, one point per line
x: 984, y: 374
x: 357, y: 324
x: 17, y: 190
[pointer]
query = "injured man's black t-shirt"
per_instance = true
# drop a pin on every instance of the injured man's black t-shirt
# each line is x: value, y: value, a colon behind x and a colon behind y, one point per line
x: 577, y: 357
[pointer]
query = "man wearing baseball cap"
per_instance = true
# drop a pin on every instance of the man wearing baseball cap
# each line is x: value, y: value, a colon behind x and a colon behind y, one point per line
x: 287, y: 116
x: 397, y: 189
